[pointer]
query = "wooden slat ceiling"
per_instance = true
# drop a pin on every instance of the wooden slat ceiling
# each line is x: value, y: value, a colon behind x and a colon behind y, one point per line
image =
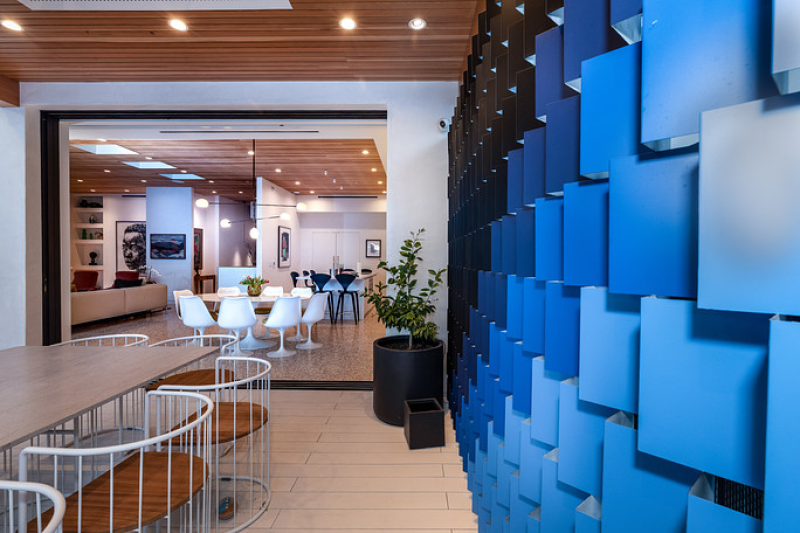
x: 228, y: 165
x: 304, y: 43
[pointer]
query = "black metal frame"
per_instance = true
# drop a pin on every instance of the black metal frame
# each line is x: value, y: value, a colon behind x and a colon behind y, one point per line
x: 51, y: 181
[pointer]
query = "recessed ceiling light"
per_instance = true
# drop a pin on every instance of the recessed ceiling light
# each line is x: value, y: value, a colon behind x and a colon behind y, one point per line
x: 106, y: 170
x: 348, y: 24
x: 374, y: 169
x: 325, y: 172
x: 11, y: 25
x: 213, y: 192
x: 183, y: 172
x: 297, y: 183
x: 380, y: 183
x: 144, y: 181
x: 365, y: 152
x: 240, y: 192
x: 101, y: 140
x: 417, y: 24
x: 384, y: 192
x: 334, y: 180
x: 310, y: 192
x: 148, y: 157
x: 251, y: 153
x: 297, y: 192
x: 92, y: 190
x: 178, y: 25
x: 211, y: 181
x: 127, y: 190
x: 341, y: 187
x: 80, y: 181
x: 105, y: 149
x: 277, y: 170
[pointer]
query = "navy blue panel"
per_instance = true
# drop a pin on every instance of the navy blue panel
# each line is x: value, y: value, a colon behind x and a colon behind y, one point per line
x: 493, y: 358
x: 526, y: 243
x: 509, y: 244
x: 515, y: 180
x: 562, y: 144
x: 533, y: 311
x: 506, y: 384
x: 550, y: 239
x: 624, y: 9
x: 533, y: 166
x: 586, y: 234
x: 587, y: 33
x: 498, y: 409
x: 562, y: 328
x: 514, y: 317
x: 500, y: 300
x: 497, y: 246
x: 523, y: 362
x: 550, y: 70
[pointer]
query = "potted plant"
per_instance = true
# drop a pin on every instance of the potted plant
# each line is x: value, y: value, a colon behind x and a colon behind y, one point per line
x: 410, y: 365
x: 253, y: 285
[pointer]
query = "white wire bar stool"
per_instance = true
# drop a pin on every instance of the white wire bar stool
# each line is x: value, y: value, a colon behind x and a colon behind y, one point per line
x: 12, y: 513
x: 159, y: 480
x: 240, y: 434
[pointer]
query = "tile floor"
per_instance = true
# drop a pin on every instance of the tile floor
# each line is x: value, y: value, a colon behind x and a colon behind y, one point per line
x: 336, y: 468
x: 346, y: 354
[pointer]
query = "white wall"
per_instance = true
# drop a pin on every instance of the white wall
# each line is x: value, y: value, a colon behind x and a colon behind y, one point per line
x: 116, y: 208
x: 233, y: 241
x: 207, y: 219
x: 272, y: 194
x: 169, y: 210
x: 416, y: 160
x: 368, y: 226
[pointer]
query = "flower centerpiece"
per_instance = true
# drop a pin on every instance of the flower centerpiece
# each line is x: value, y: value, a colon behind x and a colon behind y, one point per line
x: 253, y: 284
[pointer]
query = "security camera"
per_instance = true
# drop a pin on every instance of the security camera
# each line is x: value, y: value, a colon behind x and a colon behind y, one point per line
x: 443, y: 124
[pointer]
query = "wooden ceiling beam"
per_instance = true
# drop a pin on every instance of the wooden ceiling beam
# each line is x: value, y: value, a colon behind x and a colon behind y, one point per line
x: 9, y: 92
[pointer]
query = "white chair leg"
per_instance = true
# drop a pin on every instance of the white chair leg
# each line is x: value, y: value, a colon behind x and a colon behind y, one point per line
x: 282, y: 351
x: 309, y: 344
x: 237, y: 349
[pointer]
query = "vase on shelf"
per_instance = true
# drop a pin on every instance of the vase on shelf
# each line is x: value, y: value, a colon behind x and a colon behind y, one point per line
x: 254, y: 290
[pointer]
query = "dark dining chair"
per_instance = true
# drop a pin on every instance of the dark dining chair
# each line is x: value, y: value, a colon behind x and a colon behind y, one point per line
x: 294, y: 276
x: 320, y: 280
x: 308, y: 282
x: 345, y: 280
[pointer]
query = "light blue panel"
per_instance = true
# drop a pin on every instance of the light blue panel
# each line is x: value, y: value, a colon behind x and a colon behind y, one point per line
x: 653, y: 225
x: 783, y: 429
x: 514, y: 320
x: 562, y: 144
x: 610, y: 109
x: 697, y: 367
x: 559, y: 500
x: 641, y: 492
x: 509, y: 244
x: 504, y: 471
x: 705, y: 516
x: 544, y: 403
x: 749, y: 244
x: 521, y: 507
x: 533, y: 311
x: 562, y: 328
x: 515, y: 180
x: 587, y: 33
x: 513, y: 427
x: 491, y: 451
x: 586, y: 234
x: 526, y: 243
x: 785, y: 45
x: 698, y: 56
x: 533, y: 166
x: 530, y: 468
x: 534, y: 521
x: 580, y: 440
x: 609, y: 348
x: 550, y: 239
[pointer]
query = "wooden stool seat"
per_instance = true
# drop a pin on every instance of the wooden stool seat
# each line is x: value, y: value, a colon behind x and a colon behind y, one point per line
x: 224, y: 412
x: 97, y: 494
x: 193, y: 378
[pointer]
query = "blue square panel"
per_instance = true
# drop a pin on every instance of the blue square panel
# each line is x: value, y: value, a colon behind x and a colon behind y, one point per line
x: 626, y: 19
x: 749, y: 244
x: 783, y: 429
x: 530, y: 467
x: 509, y: 244
x: 586, y: 234
x: 704, y: 516
x: 698, y: 56
x: 544, y: 403
x: 550, y: 86
x: 562, y: 328
x: 587, y: 516
x: 641, y: 492
x: 703, y: 388
x: 523, y: 366
x: 610, y: 109
x: 497, y: 246
x: 653, y: 225
x: 533, y: 311
x: 515, y: 180
x: 562, y: 144
x: 514, y: 314
x: 533, y: 166
x: 559, y: 500
x: 587, y: 33
x: 550, y: 239
x: 609, y: 348
x: 785, y: 47
x: 580, y: 440
x: 526, y: 243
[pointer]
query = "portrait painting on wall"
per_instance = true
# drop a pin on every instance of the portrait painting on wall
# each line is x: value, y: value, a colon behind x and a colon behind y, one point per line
x: 131, y: 245
x: 284, y: 247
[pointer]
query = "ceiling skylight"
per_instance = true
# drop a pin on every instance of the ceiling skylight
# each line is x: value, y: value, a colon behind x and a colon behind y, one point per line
x: 105, y: 149
x: 183, y: 177
x: 147, y: 164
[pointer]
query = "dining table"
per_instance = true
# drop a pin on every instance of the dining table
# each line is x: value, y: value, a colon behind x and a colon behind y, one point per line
x: 251, y: 342
x: 42, y: 387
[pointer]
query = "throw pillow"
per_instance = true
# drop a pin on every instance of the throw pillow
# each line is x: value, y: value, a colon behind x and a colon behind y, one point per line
x: 123, y: 283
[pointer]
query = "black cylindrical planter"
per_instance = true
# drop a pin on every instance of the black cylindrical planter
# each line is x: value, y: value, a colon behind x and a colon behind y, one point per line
x: 400, y: 375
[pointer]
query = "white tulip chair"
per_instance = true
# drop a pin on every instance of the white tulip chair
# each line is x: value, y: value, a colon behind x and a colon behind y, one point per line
x: 284, y: 315
x: 314, y: 313
x: 236, y: 315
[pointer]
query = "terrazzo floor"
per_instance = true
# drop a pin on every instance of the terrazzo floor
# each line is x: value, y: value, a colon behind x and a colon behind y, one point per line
x: 346, y: 354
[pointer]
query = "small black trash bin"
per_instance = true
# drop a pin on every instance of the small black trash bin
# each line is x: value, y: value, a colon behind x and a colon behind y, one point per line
x: 424, y: 423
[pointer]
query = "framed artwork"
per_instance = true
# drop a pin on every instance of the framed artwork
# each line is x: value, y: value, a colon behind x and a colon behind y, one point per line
x: 284, y: 247
x: 168, y: 246
x: 374, y: 248
x: 131, y: 245
x: 198, y: 249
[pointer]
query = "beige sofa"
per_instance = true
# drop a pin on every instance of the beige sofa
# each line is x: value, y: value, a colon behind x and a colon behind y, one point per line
x: 96, y: 305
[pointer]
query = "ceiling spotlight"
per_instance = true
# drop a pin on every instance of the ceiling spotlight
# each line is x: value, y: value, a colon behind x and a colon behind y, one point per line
x: 301, y: 206
x: 241, y: 192
x: 178, y: 25
x: 365, y: 152
x: 384, y: 192
x: 11, y: 25
x: 106, y: 170
x: 225, y: 223
x: 213, y: 192
x: 325, y: 172
x: 285, y: 216
x: 254, y: 233
x: 310, y: 192
x: 417, y: 24
x: 201, y: 202
x: 278, y: 170
x: 183, y: 172
x: 334, y: 180
x: 92, y: 190
x: 297, y: 183
x: 211, y: 181
x: 148, y: 157
x: 101, y: 140
x: 127, y: 190
x: 348, y: 24
x: 341, y: 187
x: 80, y: 181
x: 251, y: 153
x: 374, y: 169
x: 380, y: 183
x: 144, y: 181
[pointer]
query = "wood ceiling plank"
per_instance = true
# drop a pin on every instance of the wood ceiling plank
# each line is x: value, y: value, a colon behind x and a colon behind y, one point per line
x: 9, y: 92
